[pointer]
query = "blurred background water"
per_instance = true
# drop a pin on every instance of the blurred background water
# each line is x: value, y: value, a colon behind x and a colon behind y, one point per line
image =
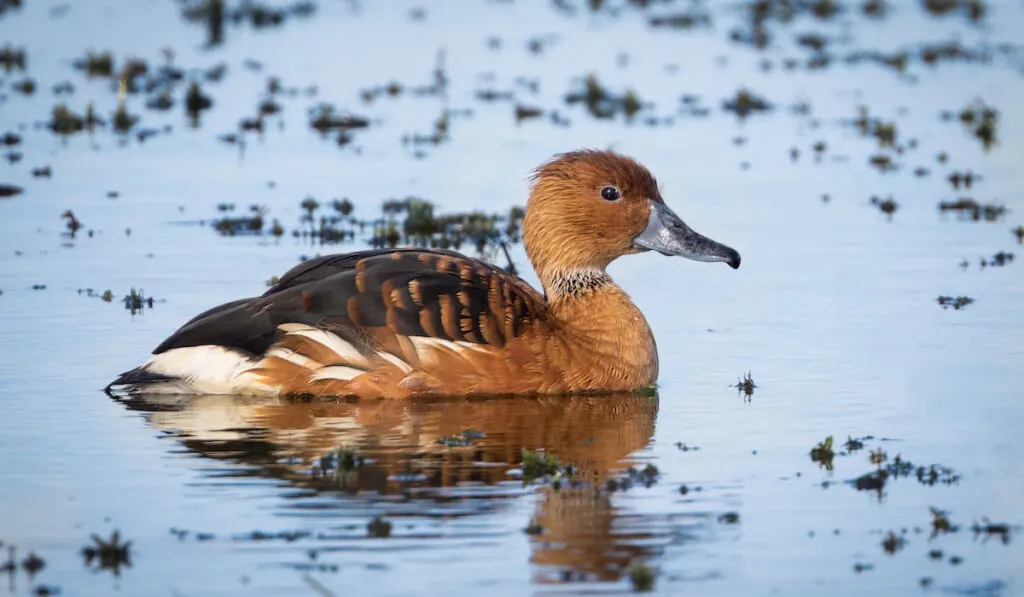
x: 834, y: 312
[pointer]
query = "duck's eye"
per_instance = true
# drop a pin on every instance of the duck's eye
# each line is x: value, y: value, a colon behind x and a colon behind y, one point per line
x: 610, y: 194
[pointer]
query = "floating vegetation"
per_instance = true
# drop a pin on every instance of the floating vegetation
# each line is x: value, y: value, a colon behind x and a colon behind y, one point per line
x: 527, y: 113
x: 966, y: 179
x: 967, y: 208
x: 883, y: 162
x: 215, y: 15
x: 823, y: 453
x: 379, y: 527
x: 136, y: 301
x: 729, y: 517
x: 893, y: 543
x: 461, y: 440
x: 981, y: 120
x: 195, y: 102
x: 745, y: 103
x: 324, y: 118
x: 534, y: 528
x: 745, y: 386
x: 251, y: 223
x: 989, y: 528
x: 96, y: 65
x: 32, y: 563
x: 107, y: 296
x: 65, y: 122
x: 108, y: 555
x: 941, y: 523
x: 72, y: 223
x: 693, y: 18
x: 338, y: 466
x: 646, y: 476
x: 898, y: 468
x: 957, y: 303
x: 10, y: 190
x: 545, y: 467
x: 888, y: 206
x: 602, y: 103
x: 999, y: 259
x: 11, y: 58
x: 642, y: 577
x: 974, y: 10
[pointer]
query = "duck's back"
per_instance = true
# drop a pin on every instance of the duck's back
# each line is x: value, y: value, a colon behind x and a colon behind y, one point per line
x: 371, y: 323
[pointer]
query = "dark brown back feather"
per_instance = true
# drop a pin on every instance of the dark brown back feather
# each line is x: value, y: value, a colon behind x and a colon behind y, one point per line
x: 411, y: 292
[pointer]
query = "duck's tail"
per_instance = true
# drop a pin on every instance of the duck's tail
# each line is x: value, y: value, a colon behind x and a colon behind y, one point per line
x: 206, y: 369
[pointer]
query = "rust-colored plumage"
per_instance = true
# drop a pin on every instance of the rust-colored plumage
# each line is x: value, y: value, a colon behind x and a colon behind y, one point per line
x: 409, y: 322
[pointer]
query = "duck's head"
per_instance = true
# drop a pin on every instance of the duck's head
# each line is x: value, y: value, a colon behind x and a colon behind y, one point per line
x: 589, y: 207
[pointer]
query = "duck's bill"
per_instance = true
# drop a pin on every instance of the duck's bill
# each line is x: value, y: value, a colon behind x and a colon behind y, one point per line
x: 667, y: 234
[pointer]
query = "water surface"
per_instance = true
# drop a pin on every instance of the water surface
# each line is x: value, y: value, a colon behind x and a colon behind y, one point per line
x: 833, y: 312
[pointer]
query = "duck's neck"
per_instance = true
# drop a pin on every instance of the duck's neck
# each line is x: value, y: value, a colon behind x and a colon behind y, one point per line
x: 603, y: 332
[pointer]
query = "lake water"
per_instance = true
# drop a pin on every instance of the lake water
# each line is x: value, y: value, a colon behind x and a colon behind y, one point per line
x: 834, y: 312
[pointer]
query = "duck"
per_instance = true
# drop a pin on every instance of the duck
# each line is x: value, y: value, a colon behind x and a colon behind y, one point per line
x: 412, y: 322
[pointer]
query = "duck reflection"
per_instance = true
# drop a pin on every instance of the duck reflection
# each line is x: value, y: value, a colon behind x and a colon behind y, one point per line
x: 407, y: 456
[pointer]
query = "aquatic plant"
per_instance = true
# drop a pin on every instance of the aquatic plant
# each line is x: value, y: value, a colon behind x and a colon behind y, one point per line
x: 957, y: 303
x: 379, y: 527
x: 108, y: 554
x: 602, y: 103
x: 135, y: 301
x: 745, y: 385
x: 989, y: 528
x: 196, y: 102
x: 893, y: 543
x: 823, y: 453
x: 642, y: 577
x: 967, y: 208
x: 941, y: 523
x: 888, y: 206
x: 461, y: 440
x: 65, y: 122
x: 544, y: 466
x: 745, y: 103
x: 96, y: 64
x: 534, y: 528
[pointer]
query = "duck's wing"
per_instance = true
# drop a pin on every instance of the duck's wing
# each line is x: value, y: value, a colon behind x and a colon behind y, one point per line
x: 349, y: 313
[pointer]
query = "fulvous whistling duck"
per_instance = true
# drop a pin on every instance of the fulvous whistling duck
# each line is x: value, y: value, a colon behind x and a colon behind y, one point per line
x: 408, y: 322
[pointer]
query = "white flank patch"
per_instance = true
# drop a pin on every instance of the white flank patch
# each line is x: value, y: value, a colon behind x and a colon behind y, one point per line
x: 426, y: 343
x: 339, y: 372
x: 345, y: 351
x: 206, y: 370
x: 429, y: 349
x: 473, y: 346
x: 397, y: 362
x: 293, y: 357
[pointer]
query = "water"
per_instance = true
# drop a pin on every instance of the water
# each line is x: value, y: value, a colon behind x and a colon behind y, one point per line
x: 833, y: 312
